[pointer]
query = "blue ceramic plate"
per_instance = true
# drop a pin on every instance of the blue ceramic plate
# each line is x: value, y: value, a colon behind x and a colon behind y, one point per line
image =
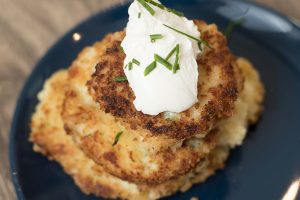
x: 263, y: 168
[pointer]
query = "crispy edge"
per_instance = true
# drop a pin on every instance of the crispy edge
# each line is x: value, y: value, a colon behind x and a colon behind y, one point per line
x: 116, y: 98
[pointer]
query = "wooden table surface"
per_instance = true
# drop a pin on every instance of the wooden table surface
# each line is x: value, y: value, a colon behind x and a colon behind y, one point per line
x: 27, y: 29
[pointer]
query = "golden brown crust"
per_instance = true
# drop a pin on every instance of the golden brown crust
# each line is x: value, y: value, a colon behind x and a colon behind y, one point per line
x: 50, y: 139
x: 94, y: 132
x: 217, y: 89
x: 170, y: 164
x: 93, y: 124
x: 254, y: 89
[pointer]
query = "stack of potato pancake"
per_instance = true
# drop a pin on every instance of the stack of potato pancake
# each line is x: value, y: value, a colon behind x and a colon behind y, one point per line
x: 86, y: 121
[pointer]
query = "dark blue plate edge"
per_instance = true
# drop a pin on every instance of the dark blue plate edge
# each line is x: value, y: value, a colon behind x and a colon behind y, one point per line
x: 19, y: 102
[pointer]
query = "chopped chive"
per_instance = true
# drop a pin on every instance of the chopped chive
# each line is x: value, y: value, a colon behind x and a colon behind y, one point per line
x: 178, y: 31
x: 122, y: 49
x: 147, y: 7
x: 176, y: 64
x: 162, y: 61
x: 189, y: 36
x: 206, y: 43
x: 171, y: 53
x: 139, y: 15
x: 130, y: 65
x: 135, y: 61
x: 117, y: 138
x: 156, y: 4
x: 150, y: 68
x: 180, y: 14
x: 232, y: 25
x: 200, y: 46
x: 177, y: 49
x: 120, y: 78
x: 175, y: 68
x: 155, y: 37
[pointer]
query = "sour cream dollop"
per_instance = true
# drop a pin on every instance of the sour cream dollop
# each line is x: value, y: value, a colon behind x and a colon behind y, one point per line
x: 161, y: 90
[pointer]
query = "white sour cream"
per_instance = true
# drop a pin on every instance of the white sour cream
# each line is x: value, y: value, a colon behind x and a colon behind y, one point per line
x: 161, y: 90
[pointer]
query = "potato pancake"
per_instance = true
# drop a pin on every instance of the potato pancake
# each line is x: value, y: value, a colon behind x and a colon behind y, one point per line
x: 141, y: 155
x: 50, y: 139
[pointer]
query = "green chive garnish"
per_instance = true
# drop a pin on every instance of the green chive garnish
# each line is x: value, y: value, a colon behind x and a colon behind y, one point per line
x: 117, y: 138
x: 171, y: 53
x: 176, y: 64
x: 232, y: 25
x: 200, y: 45
x: 135, y: 61
x: 189, y: 36
x: 150, y: 68
x: 120, y: 78
x: 130, y: 65
x: 147, y: 7
x: 122, y: 49
x: 175, y: 68
x: 155, y: 37
x: 180, y: 14
x: 139, y: 15
x: 162, y: 61
x: 177, y: 49
x: 205, y: 43
x: 156, y: 4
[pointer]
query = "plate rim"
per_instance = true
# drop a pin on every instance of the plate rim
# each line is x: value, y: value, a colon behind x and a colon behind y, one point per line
x: 20, y: 99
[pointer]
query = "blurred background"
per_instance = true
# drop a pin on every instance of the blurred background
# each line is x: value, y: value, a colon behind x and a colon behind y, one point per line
x: 28, y: 28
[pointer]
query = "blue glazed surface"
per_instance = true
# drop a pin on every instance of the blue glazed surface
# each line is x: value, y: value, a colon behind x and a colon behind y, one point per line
x: 268, y: 161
